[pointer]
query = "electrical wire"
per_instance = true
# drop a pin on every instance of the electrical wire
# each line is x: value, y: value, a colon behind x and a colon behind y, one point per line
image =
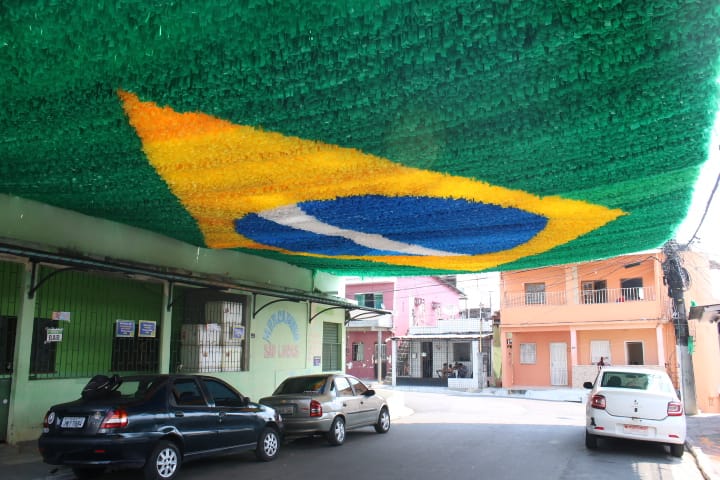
x: 707, y: 208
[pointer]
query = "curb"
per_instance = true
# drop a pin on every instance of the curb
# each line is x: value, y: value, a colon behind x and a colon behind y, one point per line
x: 705, y: 465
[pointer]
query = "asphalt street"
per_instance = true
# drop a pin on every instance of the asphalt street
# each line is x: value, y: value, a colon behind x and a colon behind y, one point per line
x: 458, y: 437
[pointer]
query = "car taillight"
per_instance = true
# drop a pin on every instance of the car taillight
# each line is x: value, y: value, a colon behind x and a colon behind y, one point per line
x: 115, y: 419
x: 46, y: 424
x: 315, y: 408
x: 598, y: 401
x: 675, y: 409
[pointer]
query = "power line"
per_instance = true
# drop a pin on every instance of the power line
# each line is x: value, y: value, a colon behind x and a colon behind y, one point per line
x: 707, y: 208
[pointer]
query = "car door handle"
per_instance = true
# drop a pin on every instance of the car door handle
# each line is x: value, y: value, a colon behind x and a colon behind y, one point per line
x: 179, y: 414
x: 221, y: 414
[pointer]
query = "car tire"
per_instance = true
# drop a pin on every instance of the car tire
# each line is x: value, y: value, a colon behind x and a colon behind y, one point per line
x: 268, y: 446
x: 591, y: 441
x: 336, y: 435
x: 383, y: 423
x: 163, y: 463
x: 87, y: 473
x: 677, y: 450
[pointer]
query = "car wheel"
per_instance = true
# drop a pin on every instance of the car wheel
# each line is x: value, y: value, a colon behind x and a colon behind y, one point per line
x: 591, y: 440
x: 163, y: 463
x: 383, y: 423
x: 87, y: 473
x: 677, y: 450
x: 336, y: 435
x: 268, y: 446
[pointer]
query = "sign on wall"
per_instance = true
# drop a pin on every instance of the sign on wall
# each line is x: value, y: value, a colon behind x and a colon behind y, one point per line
x: 282, y: 319
x: 124, y: 328
x: 147, y: 328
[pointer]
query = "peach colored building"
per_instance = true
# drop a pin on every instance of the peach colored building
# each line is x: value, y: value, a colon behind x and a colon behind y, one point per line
x: 557, y: 322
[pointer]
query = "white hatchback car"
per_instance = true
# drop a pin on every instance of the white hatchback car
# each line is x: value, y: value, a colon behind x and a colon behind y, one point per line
x: 635, y: 403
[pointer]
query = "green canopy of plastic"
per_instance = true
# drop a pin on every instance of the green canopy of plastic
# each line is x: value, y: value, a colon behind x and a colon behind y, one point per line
x: 381, y: 137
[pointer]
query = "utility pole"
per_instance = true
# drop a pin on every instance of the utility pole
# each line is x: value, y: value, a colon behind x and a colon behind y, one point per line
x: 677, y: 280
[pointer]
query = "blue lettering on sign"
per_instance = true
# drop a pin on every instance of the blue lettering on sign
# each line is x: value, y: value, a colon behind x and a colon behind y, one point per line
x: 279, y: 318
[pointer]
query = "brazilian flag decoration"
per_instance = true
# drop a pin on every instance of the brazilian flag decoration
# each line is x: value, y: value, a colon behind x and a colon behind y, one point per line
x: 380, y: 137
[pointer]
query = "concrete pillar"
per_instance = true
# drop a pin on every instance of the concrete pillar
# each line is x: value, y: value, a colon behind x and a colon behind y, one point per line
x: 378, y: 356
x: 166, y: 330
x: 393, y: 360
x: 660, y: 344
x: 21, y: 358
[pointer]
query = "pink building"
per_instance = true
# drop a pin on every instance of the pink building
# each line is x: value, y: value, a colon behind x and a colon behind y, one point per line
x: 558, y: 322
x: 430, y: 327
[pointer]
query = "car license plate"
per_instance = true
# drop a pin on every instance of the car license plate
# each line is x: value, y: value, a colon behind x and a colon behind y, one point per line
x: 636, y: 429
x: 285, y: 409
x: 73, y: 422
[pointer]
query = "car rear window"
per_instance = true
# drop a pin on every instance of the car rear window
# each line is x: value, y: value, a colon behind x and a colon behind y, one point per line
x: 638, y: 381
x: 136, y: 387
x: 302, y: 385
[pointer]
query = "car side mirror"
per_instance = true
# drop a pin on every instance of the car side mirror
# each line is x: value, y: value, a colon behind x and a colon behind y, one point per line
x: 369, y: 393
x: 588, y: 385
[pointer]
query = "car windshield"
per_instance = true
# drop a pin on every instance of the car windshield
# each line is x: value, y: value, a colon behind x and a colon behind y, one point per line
x: 302, y: 385
x: 639, y: 381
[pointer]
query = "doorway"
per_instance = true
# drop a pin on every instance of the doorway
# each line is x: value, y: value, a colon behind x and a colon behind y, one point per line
x: 426, y: 354
x: 635, y: 353
x: 558, y: 364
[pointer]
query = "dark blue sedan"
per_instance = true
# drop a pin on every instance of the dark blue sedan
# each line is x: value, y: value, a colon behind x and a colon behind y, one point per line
x: 155, y: 423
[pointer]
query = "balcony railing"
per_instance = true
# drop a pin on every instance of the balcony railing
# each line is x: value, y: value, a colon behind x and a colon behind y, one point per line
x: 381, y: 321
x: 460, y: 325
x: 537, y: 298
x: 585, y: 297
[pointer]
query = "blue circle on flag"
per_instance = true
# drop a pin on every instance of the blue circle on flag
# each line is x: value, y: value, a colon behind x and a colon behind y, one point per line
x: 453, y: 226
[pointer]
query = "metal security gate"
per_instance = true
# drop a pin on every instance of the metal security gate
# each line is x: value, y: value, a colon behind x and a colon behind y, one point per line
x: 10, y: 284
x: 558, y: 364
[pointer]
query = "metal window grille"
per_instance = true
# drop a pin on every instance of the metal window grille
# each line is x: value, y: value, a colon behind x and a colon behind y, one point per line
x: 358, y: 352
x: 209, y: 331
x: 10, y: 285
x: 76, y: 334
x: 528, y: 353
x: 534, y: 293
x: 331, y: 347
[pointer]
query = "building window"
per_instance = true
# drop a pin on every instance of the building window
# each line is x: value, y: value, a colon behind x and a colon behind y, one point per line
x: 42, y: 357
x: 331, y: 347
x: 358, y: 352
x: 632, y: 289
x: 7, y: 343
x: 461, y: 352
x: 134, y: 354
x: 534, y: 293
x: 595, y: 291
x: 528, y: 353
x: 372, y: 300
x: 598, y: 349
x: 383, y: 351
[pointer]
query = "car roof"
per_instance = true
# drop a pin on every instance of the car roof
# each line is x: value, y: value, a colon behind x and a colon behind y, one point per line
x: 631, y: 369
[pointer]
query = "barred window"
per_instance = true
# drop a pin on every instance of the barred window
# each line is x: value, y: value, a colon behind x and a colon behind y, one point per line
x: 534, y: 293
x: 331, y: 347
x: 358, y: 351
x: 528, y: 353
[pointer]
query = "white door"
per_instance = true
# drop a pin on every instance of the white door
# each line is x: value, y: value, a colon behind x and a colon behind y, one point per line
x: 558, y: 364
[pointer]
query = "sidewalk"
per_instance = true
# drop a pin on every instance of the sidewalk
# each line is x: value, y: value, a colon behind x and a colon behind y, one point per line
x: 23, y: 462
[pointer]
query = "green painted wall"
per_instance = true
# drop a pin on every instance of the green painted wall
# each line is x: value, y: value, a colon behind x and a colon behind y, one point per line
x: 94, y: 303
x: 105, y: 299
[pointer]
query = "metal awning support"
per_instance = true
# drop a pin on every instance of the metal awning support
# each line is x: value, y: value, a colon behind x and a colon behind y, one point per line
x: 67, y: 262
